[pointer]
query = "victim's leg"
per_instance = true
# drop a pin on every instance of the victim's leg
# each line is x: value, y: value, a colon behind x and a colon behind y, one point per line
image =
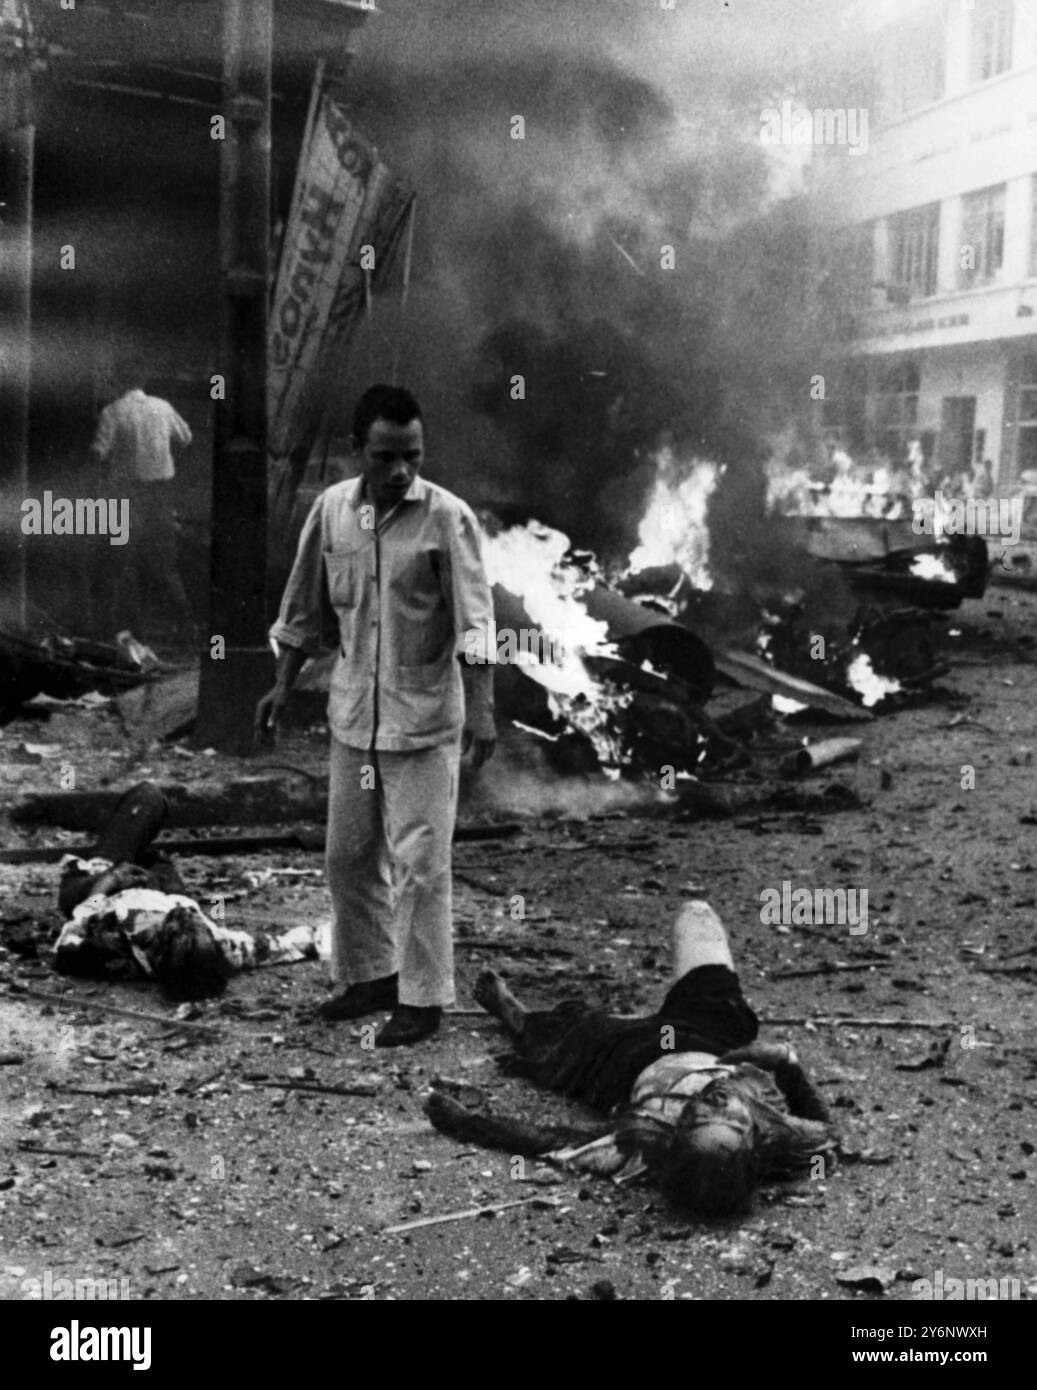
x: 495, y: 997
x: 699, y: 939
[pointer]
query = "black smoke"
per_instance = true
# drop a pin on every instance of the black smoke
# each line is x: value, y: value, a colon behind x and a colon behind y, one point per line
x: 543, y: 259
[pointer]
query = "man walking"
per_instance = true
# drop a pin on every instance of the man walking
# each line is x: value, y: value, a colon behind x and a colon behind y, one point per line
x: 134, y: 439
x: 391, y: 565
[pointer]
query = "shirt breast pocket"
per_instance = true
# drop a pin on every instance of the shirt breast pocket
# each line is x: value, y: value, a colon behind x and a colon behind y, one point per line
x: 342, y: 568
x: 431, y: 676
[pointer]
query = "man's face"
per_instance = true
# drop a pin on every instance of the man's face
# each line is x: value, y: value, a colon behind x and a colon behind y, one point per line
x: 391, y: 458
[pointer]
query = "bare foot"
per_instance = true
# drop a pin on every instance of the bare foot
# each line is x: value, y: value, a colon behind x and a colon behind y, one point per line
x: 493, y: 994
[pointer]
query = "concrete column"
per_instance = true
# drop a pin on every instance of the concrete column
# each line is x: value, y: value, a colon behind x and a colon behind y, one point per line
x: 229, y: 687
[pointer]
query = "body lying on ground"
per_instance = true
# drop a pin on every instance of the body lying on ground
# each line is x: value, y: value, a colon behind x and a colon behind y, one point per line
x: 129, y: 914
x: 695, y: 1101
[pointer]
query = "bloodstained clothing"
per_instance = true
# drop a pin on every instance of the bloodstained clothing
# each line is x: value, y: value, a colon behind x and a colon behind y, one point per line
x: 131, y: 924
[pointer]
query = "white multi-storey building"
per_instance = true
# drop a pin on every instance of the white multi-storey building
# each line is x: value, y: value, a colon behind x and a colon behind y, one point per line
x: 939, y: 241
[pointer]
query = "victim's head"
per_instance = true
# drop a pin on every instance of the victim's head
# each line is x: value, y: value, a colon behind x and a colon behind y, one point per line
x: 712, y: 1164
x: 389, y: 439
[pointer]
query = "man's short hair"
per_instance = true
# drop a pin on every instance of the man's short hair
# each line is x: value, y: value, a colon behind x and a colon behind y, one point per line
x: 129, y: 374
x: 391, y: 403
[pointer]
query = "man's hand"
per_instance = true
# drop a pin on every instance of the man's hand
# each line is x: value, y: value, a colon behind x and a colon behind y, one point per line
x: 268, y: 712
x: 270, y: 708
x: 480, y: 735
x: 766, y: 1056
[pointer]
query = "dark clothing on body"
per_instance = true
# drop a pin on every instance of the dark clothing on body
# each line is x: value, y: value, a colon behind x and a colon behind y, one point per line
x: 589, y: 1055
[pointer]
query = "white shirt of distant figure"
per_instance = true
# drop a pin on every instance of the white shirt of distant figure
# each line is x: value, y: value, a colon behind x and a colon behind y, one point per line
x: 135, y: 435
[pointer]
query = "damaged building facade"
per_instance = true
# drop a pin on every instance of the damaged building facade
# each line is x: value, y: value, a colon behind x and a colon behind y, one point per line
x: 937, y: 259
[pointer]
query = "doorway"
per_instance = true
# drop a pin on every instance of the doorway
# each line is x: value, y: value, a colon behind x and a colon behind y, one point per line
x: 957, y: 434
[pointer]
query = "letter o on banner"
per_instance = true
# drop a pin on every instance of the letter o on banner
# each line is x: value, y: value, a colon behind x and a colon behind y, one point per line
x: 289, y: 317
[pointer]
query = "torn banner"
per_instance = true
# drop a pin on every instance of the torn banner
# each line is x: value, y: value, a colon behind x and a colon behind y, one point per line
x: 347, y: 219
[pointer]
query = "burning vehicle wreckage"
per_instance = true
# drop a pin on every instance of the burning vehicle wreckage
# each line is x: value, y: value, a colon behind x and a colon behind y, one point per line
x: 617, y: 669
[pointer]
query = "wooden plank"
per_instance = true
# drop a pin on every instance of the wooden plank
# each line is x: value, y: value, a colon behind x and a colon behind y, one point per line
x: 305, y: 838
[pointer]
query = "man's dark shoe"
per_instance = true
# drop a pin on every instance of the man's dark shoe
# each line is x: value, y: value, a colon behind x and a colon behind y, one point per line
x: 408, y: 1024
x: 358, y: 1000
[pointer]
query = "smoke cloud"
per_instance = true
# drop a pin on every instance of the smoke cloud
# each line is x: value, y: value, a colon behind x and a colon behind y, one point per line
x: 545, y: 258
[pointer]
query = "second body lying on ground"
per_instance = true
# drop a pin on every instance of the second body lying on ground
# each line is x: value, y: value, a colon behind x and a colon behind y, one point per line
x: 129, y: 914
x: 696, y: 1102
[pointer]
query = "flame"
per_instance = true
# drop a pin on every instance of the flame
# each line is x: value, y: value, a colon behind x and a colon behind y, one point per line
x: 867, y: 682
x: 673, y: 529
x: 853, y: 491
x: 932, y: 567
x: 783, y: 704
x: 857, y: 492
x: 530, y: 562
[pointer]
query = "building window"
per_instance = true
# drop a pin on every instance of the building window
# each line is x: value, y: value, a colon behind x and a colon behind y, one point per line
x: 982, y: 236
x: 1026, y: 423
x: 991, y: 39
x: 914, y: 239
x: 896, y: 417
x: 914, y: 66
